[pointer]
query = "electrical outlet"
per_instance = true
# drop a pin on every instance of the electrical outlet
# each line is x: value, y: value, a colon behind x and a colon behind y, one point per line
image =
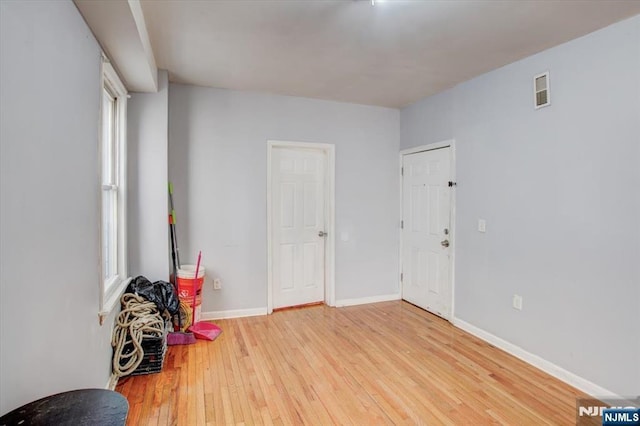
x: 217, y: 284
x: 517, y: 302
x: 482, y: 225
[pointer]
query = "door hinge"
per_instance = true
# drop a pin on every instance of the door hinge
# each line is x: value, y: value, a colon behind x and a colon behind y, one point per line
x: 402, y: 171
x: 401, y: 276
x: 402, y: 224
x: 452, y: 184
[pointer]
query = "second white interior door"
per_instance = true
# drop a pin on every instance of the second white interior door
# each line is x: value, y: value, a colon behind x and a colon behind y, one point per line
x: 298, y: 223
x: 426, y: 233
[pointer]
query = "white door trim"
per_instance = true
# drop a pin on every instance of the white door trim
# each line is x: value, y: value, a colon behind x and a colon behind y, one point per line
x: 330, y: 216
x: 452, y: 237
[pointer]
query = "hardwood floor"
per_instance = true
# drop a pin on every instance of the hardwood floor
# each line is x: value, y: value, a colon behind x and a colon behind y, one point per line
x: 384, y: 363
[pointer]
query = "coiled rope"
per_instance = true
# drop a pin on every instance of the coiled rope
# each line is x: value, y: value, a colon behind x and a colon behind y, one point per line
x: 138, y: 319
x: 185, y: 316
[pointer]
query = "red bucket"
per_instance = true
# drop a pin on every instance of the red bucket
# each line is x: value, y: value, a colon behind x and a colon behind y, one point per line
x: 185, y: 281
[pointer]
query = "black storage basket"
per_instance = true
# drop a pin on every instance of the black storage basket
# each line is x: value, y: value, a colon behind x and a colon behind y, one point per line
x: 155, y: 349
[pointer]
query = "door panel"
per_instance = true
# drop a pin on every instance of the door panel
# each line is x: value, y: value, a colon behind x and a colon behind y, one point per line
x: 426, y: 206
x: 287, y: 264
x: 298, y: 216
x: 287, y: 191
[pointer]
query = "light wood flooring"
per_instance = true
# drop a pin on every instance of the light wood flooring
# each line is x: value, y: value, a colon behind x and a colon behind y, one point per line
x: 383, y: 363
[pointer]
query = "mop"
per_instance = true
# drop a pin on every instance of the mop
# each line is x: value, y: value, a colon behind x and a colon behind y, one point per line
x: 176, y: 337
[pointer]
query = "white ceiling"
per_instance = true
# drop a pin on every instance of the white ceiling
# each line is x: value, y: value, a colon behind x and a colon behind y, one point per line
x: 391, y: 54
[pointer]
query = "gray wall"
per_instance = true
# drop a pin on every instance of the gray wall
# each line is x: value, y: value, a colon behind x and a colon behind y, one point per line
x: 147, y: 140
x: 427, y: 121
x: 560, y: 190
x: 218, y: 163
x: 49, y: 217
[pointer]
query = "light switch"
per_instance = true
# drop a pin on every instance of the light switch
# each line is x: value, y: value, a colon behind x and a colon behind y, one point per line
x: 517, y: 302
x: 482, y: 225
x: 344, y: 236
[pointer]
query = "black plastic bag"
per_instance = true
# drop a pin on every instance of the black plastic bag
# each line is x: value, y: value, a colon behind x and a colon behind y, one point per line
x: 162, y: 293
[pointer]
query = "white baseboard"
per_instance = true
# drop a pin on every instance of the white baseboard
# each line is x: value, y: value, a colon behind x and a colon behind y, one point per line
x: 365, y: 300
x: 548, y: 367
x: 236, y: 313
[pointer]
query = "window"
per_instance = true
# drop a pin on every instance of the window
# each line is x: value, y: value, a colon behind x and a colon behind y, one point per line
x: 542, y: 96
x: 113, y: 254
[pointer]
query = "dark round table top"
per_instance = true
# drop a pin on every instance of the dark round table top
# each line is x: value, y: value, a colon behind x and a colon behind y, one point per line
x: 78, y: 407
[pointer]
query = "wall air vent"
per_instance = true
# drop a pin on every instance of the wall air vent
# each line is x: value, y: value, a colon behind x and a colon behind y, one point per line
x: 541, y: 93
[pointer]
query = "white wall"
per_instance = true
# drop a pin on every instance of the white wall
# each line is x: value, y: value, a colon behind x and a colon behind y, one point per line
x: 560, y: 190
x: 49, y: 188
x: 427, y: 121
x: 147, y: 139
x: 218, y: 163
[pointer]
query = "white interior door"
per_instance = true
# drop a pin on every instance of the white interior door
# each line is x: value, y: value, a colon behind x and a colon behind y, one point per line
x: 426, y: 231
x: 298, y: 224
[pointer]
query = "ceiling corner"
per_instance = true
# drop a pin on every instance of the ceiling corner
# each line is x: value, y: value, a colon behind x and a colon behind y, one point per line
x: 121, y: 30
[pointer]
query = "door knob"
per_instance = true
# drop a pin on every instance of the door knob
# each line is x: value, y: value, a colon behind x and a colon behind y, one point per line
x: 322, y: 234
x: 444, y: 243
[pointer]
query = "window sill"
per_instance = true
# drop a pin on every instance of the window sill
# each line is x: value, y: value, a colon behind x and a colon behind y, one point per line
x: 111, y: 299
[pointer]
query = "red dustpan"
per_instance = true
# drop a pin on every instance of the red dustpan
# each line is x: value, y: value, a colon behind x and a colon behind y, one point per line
x: 202, y: 330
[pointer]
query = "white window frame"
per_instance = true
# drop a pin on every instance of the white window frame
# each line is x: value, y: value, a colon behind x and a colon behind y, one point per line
x: 546, y: 89
x: 111, y: 288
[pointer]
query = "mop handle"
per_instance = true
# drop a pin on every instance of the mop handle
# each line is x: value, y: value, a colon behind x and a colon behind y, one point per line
x: 195, y: 286
x: 173, y: 217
